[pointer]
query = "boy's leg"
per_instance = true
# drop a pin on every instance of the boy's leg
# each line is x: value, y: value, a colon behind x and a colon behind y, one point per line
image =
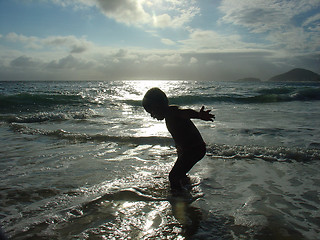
x: 184, y: 163
x: 176, y: 174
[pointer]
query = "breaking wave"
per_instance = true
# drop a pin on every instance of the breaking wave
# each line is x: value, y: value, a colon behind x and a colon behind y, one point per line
x: 274, y: 95
x: 26, y: 101
x: 46, y: 116
x: 83, y: 137
x: 262, y: 96
x: 270, y: 154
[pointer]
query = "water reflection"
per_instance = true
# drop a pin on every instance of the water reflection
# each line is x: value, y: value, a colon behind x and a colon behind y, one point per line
x: 187, y: 215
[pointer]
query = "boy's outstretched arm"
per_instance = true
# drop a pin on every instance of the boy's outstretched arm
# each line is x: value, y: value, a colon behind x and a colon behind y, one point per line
x: 203, y: 114
x: 206, y: 115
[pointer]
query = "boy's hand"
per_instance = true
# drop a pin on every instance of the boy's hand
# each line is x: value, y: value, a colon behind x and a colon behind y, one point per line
x: 206, y: 115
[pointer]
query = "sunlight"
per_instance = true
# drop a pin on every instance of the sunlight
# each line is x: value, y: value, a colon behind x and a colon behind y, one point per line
x: 143, y: 86
x: 153, y: 128
x: 135, y: 89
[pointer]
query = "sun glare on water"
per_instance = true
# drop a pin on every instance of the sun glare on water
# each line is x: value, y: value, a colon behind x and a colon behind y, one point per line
x: 143, y: 86
x: 152, y: 127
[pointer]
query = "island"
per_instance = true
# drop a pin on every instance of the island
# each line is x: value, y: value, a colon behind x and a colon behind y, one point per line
x: 297, y: 75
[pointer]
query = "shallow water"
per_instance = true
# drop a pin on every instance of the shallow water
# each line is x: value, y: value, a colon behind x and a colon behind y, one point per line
x: 84, y: 161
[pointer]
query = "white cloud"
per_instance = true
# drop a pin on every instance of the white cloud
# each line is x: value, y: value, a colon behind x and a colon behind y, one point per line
x: 116, y: 60
x: 29, y: 42
x: 276, y: 20
x: 167, y: 41
x: 162, y: 21
x: 130, y: 12
x: 152, y: 58
x: 207, y: 39
x: 193, y: 60
x: 264, y: 15
x: 313, y: 24
x: 312, y: 20
x: 174, y: 58
x: 156, y: 13
x: 174, y: 13
x: 74, y: 44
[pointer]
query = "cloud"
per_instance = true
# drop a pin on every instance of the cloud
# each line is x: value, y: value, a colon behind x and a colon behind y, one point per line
x: 167, y: 41
x: 208, y: 39
x: 264, y: 15
x: 29, y: 42
x: 74, y: 44
x: 121, y: 53
x: 162, y: 21
x: 312, y: 23
x: 152, y: 58
x: 193, y: 60
x: 312, y: 19
x: 156, y: 13
x: 69, y: 62
x: 174, y: 13
x: 277, y: 21
x: 124, y: 11
x: 152, y: 64
x: 203, y: 55
x: 173, y: 60
x: 23, y: 62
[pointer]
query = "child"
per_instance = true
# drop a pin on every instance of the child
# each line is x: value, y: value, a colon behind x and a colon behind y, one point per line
x: 190, y: 146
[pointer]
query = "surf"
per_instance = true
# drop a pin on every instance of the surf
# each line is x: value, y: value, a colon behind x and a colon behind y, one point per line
x: 84, y: 137
x: 24, y: 102
x: 273, y: 95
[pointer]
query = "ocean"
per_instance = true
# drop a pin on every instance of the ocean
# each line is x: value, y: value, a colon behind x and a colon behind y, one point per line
x: 83, y: 160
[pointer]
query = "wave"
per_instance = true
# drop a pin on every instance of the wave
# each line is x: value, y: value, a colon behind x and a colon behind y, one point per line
x: 43, y: 117
x: 270, y: 154
x: 83, y: 137
x: 273, y: 95
x: 239, y: 152
x: 28, y: 101
x: 263, y: 96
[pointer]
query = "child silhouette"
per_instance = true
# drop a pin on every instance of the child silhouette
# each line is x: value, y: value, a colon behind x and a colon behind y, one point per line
x: 190, y: 146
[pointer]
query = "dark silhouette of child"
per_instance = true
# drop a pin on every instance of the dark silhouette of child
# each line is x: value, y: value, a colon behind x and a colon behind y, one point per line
x: 190, y: 146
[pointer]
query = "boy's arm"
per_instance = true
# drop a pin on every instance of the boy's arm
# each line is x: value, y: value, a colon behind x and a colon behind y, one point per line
x: 203, y: 115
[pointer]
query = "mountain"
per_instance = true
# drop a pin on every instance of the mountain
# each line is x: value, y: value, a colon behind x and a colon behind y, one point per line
x: 296, y: 75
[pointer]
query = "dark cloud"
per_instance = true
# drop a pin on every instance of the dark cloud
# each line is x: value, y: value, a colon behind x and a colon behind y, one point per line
x: 69, y: 62
x: 23, y: 62
x: 125, y: 11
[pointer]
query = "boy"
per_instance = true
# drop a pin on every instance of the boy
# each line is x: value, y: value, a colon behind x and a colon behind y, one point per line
x: 190, y: 146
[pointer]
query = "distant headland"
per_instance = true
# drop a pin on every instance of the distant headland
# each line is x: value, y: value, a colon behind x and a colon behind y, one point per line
x: 296, y: 75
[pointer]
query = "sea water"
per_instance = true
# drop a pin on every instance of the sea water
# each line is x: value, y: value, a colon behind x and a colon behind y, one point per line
x: 83, y: 160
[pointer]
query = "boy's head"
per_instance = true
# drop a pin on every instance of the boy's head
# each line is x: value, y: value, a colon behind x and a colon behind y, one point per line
x: 155, y: 102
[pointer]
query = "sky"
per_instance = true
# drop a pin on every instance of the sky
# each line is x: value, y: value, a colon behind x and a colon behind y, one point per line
x: 216, y: 40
